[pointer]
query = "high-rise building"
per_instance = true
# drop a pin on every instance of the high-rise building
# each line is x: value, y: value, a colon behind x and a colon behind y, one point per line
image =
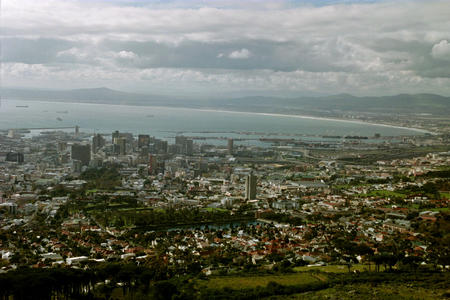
x: 152, y: 165
x: 97, y: 143
x: 77, y: 130
x: 250, y: 187
x: 180, y: 140
x: 143, y: 140
x: 185, y: 145
x: 81, y: 152
x: 230, y: 146
x: 15, y: 157
x: 160, y: 146
x: 143, y: 154
x: 122, y: 142
x: 189, y: 147
x: 62, y: 147
x: 115, y: 135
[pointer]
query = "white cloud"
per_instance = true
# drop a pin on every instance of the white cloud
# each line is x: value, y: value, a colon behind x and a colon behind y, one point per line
x: 73, y: 53
x: 441, y: 50
x: 332, y: 47
x: 240, y: 54
x: 168, y: 79
x: 126, y: 55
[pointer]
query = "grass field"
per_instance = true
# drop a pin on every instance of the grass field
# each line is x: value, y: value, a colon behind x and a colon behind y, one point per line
x: 390, y: 291
x: 303, y: 275
x: 444, y: 209
x: 241, y: 282
x: 387, y: 194
x: 211, y: 209
x: 336, y: 268
x: 445, y: 195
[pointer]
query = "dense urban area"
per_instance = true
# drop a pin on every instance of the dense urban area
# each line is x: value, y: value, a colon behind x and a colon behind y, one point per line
x: 126, y: 216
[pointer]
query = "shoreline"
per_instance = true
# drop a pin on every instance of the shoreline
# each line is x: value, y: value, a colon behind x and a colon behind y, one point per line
x: 318, y: 118
x: 423, y: 131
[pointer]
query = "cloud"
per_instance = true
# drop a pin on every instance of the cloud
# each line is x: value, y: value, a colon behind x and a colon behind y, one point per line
x: 74, y: 52
x: 240, y: 54
x: 278, y: 45
x: 441, y: 50
x: 126, y: 55
x: 167, y: 80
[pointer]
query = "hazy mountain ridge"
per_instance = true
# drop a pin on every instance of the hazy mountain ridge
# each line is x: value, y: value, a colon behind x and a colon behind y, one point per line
x: 95, y: 95
x: 402, y: 103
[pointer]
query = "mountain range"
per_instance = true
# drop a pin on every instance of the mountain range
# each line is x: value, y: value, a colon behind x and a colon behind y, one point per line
x: 342, y: 103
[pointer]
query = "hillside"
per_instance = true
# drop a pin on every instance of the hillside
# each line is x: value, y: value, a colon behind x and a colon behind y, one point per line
x: 398, y: 104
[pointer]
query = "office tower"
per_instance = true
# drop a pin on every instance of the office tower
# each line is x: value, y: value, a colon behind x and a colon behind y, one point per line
x: 230, y: 146
x: 160, y: 146
x: 174, y: 149
x: 77, y: 130
x: 185, y: 145
x: 152, y: 165
x: 115, y: 135
x: 180, y: 140
x: 143, y: 154
x: 250, y: 187
x: 189, y: 147
x: 128, y: 136
x: 81, y: 152
x: 62, y: 147
x: 97, y: 143
x: 14, y: 157
x: 143, y: 140
x: 122, y: 142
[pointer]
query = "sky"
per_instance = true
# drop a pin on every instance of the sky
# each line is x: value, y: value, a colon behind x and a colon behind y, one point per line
x: 228, y: 47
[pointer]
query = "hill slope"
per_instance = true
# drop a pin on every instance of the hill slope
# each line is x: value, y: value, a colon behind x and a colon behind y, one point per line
x: 403, y: 103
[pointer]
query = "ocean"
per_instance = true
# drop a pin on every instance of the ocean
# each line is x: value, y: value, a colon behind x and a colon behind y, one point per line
x: 166, y: 122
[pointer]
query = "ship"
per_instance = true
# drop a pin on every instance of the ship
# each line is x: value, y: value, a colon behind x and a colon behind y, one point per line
x: 22, y: 106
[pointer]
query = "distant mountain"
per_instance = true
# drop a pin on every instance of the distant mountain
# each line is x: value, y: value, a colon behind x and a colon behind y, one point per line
x: 403, y: 103
x: 96, y: 95
x: 342, y: 103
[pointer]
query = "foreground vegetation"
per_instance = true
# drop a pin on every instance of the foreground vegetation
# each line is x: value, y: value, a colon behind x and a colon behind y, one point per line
x: 382, y: 291
x: 127, y: 281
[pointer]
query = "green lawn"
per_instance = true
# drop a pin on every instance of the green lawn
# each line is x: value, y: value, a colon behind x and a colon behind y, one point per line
x: 335, y: 268
x: 241, y: 282
x: 302, y: 276
x: 417, y: 206
x: 445, y: 195
x: 211, y: 209
x: 444, y: 209
x: 391, y: 291
x: 387, y: 194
